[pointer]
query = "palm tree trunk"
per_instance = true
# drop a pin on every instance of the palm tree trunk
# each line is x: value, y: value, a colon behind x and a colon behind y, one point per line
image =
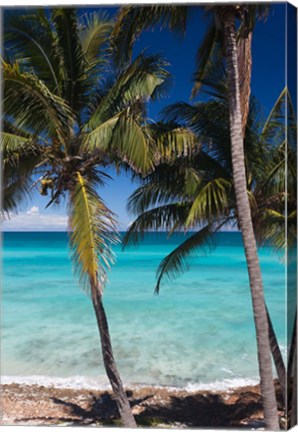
x: 277, y: 358
x: 244, y: 67
x: 245, y: 223
x: 292, y: 346
x: 110, y: 364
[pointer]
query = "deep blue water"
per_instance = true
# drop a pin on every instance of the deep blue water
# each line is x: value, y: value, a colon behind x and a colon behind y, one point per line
x: 199, y: 330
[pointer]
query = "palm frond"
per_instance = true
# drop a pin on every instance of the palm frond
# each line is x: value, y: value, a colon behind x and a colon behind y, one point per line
x: 177, y: 261
x: 100, y: 138
x: 151, y: 194
x: 211, y: 71
x: 249, y: 15
x: 20, y: 157
x: 8, y: 126
x: 256, y: 151
x: 32, y: 106
x: 93, y: 233
x: 291, y: 123
x: 94, y: 38
x: 163, y: 217
x: 274, y: 128
x: 12, y: 143
x: 271, y: 229
x: 209, y: 53
x: 132, y: 20
x: 168, y: 183
x: 141, y: 81
x: 14, y: 191
x: 211, y: 202
x: 73, y: 61
x: 32, y: 42
x: 132, y: 145
x: 209, y: 121
x: 292, y: 229
x: 173, y: 141
x: 124, y: 139
x: 17, y: 150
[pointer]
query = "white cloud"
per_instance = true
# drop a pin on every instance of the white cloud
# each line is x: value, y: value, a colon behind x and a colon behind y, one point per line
x: 33, y: 220
x: 33, y: 210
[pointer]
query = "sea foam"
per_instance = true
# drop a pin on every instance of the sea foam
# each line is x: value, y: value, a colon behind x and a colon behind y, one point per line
x: 89, y: 383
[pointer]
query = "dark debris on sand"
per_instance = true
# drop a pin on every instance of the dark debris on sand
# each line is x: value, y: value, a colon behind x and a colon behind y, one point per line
x: 152, y: 407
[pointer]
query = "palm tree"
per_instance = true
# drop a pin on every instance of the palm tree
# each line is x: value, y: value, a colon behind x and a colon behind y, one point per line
x: 187, y: 192
x: 228, y: 21
x: 131, y: 22
x: 67, y: 114
x: 184, y: 179
x: 196, y: 192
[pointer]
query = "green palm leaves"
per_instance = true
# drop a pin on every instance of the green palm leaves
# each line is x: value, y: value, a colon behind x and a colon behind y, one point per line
x: 277, y: 204
x: 211, y: 202
x: 93, y: 232
x: 132, y: 20
x: 30, y: 41
x: 29, y: 102
x: 176, y: 262
x: 21, y: 154
x: 66, y: 117
x: 196, y: 192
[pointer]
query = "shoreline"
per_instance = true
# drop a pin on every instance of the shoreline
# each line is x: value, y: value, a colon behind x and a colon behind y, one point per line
x: 152, y: 406
x: 84, y: 382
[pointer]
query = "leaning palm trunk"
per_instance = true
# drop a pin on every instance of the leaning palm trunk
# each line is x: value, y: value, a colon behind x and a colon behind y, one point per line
x: 245, y: 223
x: 110, y: 364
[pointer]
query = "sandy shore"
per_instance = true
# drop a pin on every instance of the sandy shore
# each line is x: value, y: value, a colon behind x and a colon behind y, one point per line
x: 38, y: 405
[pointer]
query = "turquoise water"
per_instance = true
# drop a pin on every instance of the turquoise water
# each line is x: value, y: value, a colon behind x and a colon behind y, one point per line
x: 198, y: 331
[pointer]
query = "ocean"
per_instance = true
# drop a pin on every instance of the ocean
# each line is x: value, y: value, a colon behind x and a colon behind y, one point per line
x: 197, y: 333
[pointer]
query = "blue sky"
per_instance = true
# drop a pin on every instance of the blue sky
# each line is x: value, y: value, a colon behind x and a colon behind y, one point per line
x: 268, y: 79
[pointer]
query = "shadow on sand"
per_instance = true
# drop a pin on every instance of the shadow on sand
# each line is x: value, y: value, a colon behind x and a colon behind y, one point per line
x: 242, y: 409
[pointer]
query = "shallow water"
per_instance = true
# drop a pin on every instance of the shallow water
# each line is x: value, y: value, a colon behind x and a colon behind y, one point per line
x: 198, y: 331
